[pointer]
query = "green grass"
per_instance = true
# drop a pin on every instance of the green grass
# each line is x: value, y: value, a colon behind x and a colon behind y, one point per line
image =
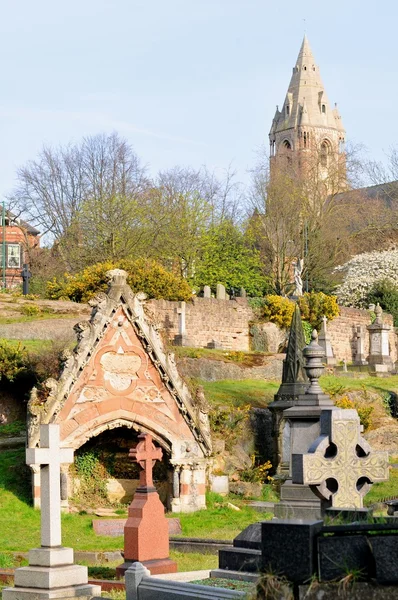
x: 30, y: 345
x: 256, y: 392
x: 20, y: 522
x: 44, y: 316
x: 384, y: 489
x: 339, y: 385
x: 236, y: 356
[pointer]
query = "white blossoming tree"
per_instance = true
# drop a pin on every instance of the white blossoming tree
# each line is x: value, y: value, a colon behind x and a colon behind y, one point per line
x: 362, y: 272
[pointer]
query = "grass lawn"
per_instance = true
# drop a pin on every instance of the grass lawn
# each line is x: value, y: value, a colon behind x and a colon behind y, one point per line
x: 20, y: 522
x: 30, y: 345
x: 230, y: 392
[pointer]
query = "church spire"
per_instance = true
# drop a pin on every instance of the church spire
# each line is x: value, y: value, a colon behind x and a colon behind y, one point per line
x: 306, y: 120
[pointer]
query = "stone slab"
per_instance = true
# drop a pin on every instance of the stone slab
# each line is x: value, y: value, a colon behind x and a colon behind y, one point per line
x: 50, y: 557
x: 337, y: 556
x: 235, y: 575
x: 240, y: 559
x: 156, y: 567
x: 50, y: 577
x: 385, y: 551
x: 25, y: 593
x: 288, y: 548
x: 249, y: 537
x: 359, y: 591
x: 115, y: 527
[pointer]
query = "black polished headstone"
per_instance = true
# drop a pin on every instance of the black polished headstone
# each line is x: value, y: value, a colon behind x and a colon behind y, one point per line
x: 288, y: 548
x: 385, y: 552
x: 340, y: 555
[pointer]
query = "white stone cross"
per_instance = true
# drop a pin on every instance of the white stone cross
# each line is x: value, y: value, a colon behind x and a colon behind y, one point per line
x: 50, y: 457
x: 340, y: 464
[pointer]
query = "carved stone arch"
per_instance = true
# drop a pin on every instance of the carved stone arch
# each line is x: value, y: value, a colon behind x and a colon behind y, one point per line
x: 325, y: 152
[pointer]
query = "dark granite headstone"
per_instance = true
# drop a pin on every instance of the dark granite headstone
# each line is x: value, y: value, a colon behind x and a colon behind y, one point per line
x: 385, y: 552
x: 249, y: 537
x: 288, y: 548
x: 340, y: 555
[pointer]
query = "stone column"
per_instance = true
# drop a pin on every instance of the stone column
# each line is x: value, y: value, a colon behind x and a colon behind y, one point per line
x: 192, y: 492
x: 64, y: 488
x: 325, y: 343
x: 360, y: 359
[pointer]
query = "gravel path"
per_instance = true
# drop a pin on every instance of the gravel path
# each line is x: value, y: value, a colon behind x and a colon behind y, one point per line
x: 45, y: 329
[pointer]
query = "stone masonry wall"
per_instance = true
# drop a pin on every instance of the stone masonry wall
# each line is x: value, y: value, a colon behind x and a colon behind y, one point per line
x: 227, y: 322
x: 342, y: 333
x: 208, y: 319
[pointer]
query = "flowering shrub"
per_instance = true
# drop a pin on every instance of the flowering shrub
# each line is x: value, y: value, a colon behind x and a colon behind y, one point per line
x: 362, y: 272
x: 143, y: 276
x: 313, y: 306
x: 364, y: 412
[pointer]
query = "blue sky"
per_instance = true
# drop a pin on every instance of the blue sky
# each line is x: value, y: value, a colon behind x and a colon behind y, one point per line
x: 189, y: 82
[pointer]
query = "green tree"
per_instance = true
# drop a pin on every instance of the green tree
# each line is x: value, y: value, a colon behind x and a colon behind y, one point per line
x: 228, y: 256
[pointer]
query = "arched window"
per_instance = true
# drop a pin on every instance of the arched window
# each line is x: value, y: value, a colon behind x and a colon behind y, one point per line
x: 287, y: 110
x: 325, y: 153
x: 323, y: 108
x: 304, y: 68
x: 286, y: 145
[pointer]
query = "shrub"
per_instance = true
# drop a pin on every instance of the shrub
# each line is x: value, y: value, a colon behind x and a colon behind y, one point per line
x: 31, y: 310
x: 363, y: 272
x: 257, y: 473
x: 278, y: 310
x: 143, y: 276
x: 364, y: 412
x: 385, y: 292
x: 13, y: 361
x: 313, y: 306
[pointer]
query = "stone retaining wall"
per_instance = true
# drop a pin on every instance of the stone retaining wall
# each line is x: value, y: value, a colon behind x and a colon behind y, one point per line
x: 228, y: 321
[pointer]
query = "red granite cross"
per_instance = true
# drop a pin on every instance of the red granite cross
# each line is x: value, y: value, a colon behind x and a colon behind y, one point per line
x: 146, y: 454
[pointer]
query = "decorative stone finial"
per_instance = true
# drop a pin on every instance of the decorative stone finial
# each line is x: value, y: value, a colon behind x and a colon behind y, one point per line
x: 379, y: 314
x: 313, y: 354
x: 116, y: 277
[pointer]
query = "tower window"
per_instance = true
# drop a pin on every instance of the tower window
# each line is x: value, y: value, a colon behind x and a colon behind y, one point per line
x: 287, y: 110
x: 323, y: 108
x: 305, y: 139
x: 325, y: 152
x: 304, y: 68
x: 287, y: 145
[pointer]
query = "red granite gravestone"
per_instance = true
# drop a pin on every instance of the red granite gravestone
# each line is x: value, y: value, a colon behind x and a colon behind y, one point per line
x: 146, y: 533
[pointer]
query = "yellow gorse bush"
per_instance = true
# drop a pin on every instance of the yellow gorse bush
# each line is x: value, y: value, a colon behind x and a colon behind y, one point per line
x: 144, y: 275
x: 313, y: 306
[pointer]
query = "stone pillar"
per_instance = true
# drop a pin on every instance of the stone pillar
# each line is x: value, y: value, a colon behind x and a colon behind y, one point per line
x: 181, y: 339
x: 220, y: 293
x: 64, y: 488
x: 207, y: 291
x: 360, y: 344
x: 325, y: 343
x: 379, y: 358
x: 192, y: 492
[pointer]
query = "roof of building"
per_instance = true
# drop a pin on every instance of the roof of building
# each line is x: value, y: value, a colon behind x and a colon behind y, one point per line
x: 306, y: 102
x: 21, y: 223
x: 386, y: 192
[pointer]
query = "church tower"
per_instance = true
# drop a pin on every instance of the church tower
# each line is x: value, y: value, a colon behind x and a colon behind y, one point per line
x: 307, y: 131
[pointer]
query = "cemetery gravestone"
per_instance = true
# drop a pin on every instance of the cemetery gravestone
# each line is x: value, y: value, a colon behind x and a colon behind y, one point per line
x: 207, y: 291
x: 340, y: 465
x: 325, y: 342
x: 220, y: 292
x: 26, y: 275
x: 181, y: 339
x: 51, y: 573
x: 379, y: 352
x: 360, y: 359
x: 146, y: 533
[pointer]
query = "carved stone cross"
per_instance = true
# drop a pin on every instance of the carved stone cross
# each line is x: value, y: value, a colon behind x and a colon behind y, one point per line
x: 50, y: 457
x: 340, y: 464
x: 146, y: 454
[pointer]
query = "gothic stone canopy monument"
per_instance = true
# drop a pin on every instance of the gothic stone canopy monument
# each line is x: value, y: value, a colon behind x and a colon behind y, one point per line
x: 120, y: 376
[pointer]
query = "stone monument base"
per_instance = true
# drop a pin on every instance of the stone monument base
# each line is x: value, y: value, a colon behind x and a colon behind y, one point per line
x: 183, y: 340
x: 51, y: 574
x: 159, y: 566
x: 297, y: 502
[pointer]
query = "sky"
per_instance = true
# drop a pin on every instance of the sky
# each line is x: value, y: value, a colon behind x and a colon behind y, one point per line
x: 187, y: 82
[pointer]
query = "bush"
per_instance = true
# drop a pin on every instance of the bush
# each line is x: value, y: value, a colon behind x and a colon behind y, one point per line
x: 31, y: 310
x: 313, y: 306
x: 364, y: 412
x: 13, y: 361
x: 143, y: 276
x: 385, y: 293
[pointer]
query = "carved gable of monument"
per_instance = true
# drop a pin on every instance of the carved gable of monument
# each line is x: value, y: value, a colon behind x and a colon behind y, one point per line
x: 119, y: 375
